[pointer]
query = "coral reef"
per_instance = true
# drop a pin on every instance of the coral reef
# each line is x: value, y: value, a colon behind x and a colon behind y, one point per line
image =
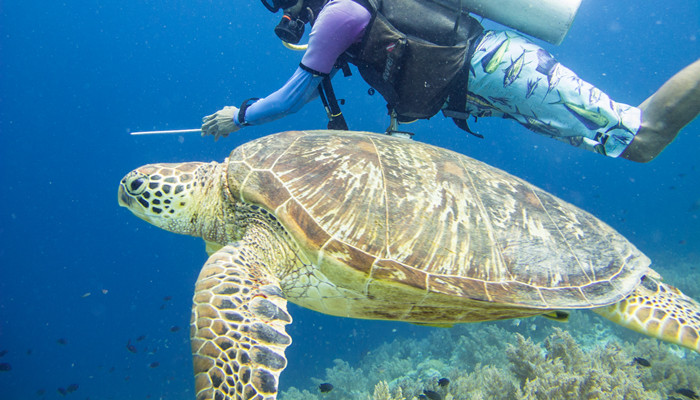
x: 565, y: 372
x: 496, y: 361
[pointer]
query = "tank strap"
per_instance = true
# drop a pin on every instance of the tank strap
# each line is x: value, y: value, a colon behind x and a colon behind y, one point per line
x: 336, y: 120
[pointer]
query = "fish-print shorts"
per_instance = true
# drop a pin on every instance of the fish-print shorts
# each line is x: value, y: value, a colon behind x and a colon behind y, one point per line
x: 511, y: 77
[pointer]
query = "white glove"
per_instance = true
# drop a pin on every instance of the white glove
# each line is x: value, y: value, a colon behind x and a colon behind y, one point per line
x: 220, y: 123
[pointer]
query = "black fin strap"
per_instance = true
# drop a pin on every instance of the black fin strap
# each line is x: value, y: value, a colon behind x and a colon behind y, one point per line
x: 462, y: 123
x: 244, y: 106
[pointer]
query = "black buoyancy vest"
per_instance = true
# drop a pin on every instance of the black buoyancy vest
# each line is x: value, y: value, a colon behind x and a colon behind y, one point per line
x: 412, y: 52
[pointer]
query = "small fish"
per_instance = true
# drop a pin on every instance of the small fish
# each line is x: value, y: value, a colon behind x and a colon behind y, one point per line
x: 443, y: 382
x: 500, y: 100
x: 140, y: 338
x: 131, y: 347
x: 62, y: 391
x: 545, y: 62
x: 688, y: 393
x: 553, y: 77
x: 167, y: 298
x: 3, y: 352
x: 40, y: 392
x: 432, y: 395
x: 325, y: 387
x: 4, y: 367
x: 162, y: 307
x: 480, y: 102
x: 641, y: 361
x: 494, y: 59
x: 531, y: 86
x: 62, y: 341
x: 174, y: 328
x: 29, y: 352
x: 514, y: 69
x: 594, y: 95
x: 592, y: 119
x: 154, y: 364
x: 72, y: 387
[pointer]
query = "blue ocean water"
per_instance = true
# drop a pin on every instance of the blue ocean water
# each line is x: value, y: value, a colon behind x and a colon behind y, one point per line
x: 80, y: 278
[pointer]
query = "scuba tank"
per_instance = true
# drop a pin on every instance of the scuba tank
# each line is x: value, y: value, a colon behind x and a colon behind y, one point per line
x: 548, y: 20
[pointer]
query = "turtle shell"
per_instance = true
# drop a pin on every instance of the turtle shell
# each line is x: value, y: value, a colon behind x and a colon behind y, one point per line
x: 370, y: 209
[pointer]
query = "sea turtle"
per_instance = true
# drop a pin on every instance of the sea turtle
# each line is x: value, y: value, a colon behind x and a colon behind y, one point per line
x: 364, y: 225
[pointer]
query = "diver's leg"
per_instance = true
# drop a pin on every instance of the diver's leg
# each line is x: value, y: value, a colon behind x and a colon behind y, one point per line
x: 665, y: 113
x: 512, y: 77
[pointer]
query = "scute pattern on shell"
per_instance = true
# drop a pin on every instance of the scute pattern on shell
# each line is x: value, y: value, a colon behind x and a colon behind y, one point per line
x: 395, y: 210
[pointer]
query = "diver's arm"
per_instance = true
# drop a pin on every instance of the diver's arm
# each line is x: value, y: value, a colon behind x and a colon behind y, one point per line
x: 339, y: 25
x: 299, y: 90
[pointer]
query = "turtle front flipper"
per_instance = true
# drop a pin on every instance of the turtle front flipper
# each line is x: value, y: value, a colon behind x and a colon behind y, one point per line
x: 659, y: 310
x: 238, y: 328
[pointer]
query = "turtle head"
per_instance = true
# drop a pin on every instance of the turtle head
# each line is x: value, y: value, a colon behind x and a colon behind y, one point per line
x: 169, y: 196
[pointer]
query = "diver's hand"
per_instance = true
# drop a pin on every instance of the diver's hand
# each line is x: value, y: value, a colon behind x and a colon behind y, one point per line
x: 220, y: 123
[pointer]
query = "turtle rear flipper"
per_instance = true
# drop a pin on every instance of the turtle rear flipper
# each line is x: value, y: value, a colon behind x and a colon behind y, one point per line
x: 659, y: 310
x: 238, y: 327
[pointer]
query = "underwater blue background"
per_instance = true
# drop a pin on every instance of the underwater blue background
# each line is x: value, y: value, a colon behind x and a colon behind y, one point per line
x: 76, y: 77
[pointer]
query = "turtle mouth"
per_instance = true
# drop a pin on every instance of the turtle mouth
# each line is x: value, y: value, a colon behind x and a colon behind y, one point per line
x: 137, y: 205
x: 124, y: 199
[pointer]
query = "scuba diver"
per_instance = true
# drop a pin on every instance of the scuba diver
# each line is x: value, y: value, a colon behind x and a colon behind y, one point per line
x: 446, y: 61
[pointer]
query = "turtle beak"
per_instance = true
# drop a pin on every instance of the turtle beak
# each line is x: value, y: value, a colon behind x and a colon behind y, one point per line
x: 124, y: 199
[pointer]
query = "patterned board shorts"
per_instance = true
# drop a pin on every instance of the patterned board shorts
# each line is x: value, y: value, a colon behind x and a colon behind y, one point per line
x: 511, y: 77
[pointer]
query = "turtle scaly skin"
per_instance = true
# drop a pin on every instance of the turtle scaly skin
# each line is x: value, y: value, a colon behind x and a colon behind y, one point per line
x: 370, y: 226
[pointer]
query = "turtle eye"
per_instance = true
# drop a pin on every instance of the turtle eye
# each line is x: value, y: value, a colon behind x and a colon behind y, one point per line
x: 136, y: 185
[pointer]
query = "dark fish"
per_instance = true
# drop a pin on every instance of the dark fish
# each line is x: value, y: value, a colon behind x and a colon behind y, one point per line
x: 131, y: 347
x: 545, y: 62
x: 154, y: 364
x: 3, y: 352
x: 72, y: 387
x: 62, y: 341
x: 174, y: 328
x: 40, y: 392
x: 112, y: 369
x: 162, y: 307
x: 62, y: 391
x: 443, y: 382
x: 29, y: 352
x: 641, y: 361
x: 168, y: 298
x: 4, y: 367
x: 325, y: 387
x: 688, y: 393
x: 531, y: 86
x: 432, y: 395
x: 140, y: 338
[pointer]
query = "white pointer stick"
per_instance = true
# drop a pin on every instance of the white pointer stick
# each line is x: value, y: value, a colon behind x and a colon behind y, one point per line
x: 166, y: 132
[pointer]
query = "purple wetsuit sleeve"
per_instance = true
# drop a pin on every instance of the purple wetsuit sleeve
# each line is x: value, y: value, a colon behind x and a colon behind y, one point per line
x: 299, y: 90
x: 340, y: 24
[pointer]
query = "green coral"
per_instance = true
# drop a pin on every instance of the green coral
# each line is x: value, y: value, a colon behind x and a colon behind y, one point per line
x: 563, y: 371
x: 671, y: 367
